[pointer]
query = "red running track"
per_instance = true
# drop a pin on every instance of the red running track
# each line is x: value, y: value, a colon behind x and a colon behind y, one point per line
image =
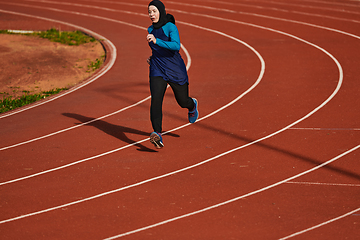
x: 274, y: 155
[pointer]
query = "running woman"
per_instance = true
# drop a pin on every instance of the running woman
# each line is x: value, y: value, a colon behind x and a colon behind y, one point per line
x: 166, y: 67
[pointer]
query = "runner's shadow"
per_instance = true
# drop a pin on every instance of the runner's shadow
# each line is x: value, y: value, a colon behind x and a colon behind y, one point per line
x: 284, y: 151
x: 113, y: 130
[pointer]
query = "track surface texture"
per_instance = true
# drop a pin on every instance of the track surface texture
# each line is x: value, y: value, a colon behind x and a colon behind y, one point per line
x: 274, y: 154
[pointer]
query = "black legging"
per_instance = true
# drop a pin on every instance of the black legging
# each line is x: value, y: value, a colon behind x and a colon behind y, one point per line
x: 157, y: 88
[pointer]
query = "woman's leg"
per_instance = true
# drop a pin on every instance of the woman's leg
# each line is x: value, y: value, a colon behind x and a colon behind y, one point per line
x: 182, y: 97
x: 181, y: 93
x: 157, y: 88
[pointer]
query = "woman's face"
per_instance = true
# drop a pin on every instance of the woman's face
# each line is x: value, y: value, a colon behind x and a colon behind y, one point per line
x: 154, y: 14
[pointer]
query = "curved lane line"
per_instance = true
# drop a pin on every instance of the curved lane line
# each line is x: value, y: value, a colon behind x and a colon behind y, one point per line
x: 333, y: 3
x: 103, y: 70
x: 321, y: 224
x: 326, y: 184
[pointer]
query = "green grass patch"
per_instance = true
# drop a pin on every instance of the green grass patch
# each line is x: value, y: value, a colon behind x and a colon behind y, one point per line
x: 8, y: 103
x: 95, y: 65
x: 68, y: 38
x: 54, y: 35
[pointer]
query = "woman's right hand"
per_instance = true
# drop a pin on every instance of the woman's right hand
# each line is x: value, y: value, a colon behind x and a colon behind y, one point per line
x: 151, y: 38
x: 148, y: 60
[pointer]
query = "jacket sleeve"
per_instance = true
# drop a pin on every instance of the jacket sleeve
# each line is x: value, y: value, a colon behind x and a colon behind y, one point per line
x: 171, y: 31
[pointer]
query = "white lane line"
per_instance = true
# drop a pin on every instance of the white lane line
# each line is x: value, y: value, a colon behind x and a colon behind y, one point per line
x: 102, y: 71
x: 234, y: 199
x: 262, y: 71
x: 327, y: 129
x: 326, y: 184
x: 22, y: 31
x: 321, y: 224
x: 334, y: 3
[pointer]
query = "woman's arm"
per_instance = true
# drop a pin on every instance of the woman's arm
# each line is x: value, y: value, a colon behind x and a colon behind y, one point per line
x: 171, y: 31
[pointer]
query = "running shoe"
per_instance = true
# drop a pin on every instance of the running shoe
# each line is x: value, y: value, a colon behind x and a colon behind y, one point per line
x: 194, y: 114
x: 156, y: 139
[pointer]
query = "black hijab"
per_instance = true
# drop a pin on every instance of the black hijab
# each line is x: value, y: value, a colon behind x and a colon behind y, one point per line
x: 164, y: 18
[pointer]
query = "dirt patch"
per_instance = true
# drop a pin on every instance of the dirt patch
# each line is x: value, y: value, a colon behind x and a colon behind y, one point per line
x: 33, y: 64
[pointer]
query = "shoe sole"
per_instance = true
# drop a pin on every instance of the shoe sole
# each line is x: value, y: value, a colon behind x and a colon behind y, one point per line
x: 156, y: 140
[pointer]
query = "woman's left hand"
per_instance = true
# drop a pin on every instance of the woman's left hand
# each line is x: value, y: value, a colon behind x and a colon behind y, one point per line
x: 151, y: 38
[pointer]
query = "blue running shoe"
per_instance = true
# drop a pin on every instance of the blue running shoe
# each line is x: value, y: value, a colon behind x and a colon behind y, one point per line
x: 156, y: 139
x: 194, y: 114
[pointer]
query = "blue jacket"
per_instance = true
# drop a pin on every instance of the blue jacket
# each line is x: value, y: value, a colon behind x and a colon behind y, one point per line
x: 166, y: 60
